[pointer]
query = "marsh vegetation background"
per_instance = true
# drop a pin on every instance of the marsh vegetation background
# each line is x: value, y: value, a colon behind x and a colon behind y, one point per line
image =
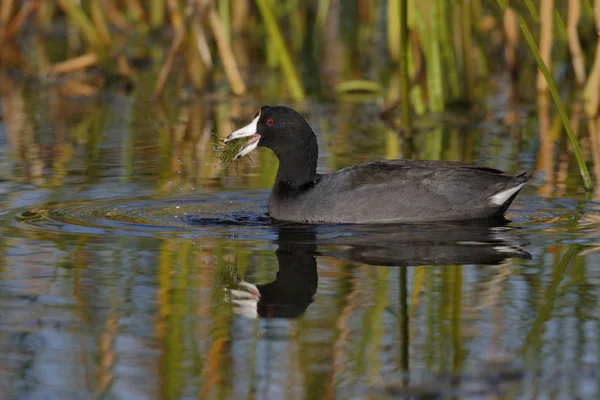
x: 125, y: 242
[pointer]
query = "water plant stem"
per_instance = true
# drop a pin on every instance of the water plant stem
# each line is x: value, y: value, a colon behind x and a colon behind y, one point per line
x: 76, y: 14
x: 404, y: 82
x: 466, y: 42
x: 583, y: 169
x: 238, y: 87
x: 435, y: 76
x: 532, y: 10
x: 157, y: 13
x: 285, y: 60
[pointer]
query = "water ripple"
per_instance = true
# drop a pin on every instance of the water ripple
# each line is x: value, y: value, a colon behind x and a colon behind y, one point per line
x: 243, y: 215
x: 150, y: 217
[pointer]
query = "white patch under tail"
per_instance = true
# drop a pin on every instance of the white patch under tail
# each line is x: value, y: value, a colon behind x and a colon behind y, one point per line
x: 502, y: 197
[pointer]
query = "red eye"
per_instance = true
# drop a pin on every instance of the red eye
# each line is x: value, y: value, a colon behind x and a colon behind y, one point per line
x: 270, y: 122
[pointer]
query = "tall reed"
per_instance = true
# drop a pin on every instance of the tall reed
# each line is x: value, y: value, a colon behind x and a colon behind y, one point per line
x: 549, y: 81
x: 403, y: 59
x: 284, y: 58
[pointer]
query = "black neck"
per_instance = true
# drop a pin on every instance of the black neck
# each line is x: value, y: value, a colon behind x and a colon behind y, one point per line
x: 298, y: 168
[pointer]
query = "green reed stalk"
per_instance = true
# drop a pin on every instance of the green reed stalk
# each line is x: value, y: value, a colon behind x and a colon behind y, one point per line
x: 392, y: 144
x: 435, y: 81
x: 561, y: 27
x: 583, y: 169
x: 76, y: 14
x: 466, y: 39
x: 285, y: 60
x: 322, y: 10
x: 157, y: 13
x: 296, y: 25
x: 404, y: 82
x: 393, y: 29
x: 532, y: 10
x: 225, y: 13
x: 44, y: 13
x: 451, y: 83
x: 476, y: 9
x: 415, y: 62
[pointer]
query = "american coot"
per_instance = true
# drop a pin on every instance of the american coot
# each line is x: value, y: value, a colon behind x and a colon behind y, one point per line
x: 373, y: 192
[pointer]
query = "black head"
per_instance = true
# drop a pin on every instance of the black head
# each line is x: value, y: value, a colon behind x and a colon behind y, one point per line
x: 283, y: 129
x: 287, y: 133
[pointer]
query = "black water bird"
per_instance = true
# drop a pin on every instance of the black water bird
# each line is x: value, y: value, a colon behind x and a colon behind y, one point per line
x: 391, y: 191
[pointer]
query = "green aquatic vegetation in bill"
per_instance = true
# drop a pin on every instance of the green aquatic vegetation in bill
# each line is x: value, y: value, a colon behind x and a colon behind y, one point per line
x: 227, y: 151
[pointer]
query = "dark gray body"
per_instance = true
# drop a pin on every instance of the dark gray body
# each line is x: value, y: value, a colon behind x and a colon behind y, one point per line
x: 395, y: 192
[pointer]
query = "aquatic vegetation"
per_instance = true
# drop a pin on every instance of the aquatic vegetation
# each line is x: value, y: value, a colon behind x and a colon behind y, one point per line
x: 227, y: 151
x: 547, y: 83
x: 411, y: 57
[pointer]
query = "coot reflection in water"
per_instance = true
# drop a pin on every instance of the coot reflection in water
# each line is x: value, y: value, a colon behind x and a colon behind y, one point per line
x: 290, y: 294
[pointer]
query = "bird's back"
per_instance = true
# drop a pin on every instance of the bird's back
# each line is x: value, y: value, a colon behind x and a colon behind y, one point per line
x: 399, y: 191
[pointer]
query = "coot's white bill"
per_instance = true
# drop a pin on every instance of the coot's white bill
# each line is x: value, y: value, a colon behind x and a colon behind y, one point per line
x: 248, y: 130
